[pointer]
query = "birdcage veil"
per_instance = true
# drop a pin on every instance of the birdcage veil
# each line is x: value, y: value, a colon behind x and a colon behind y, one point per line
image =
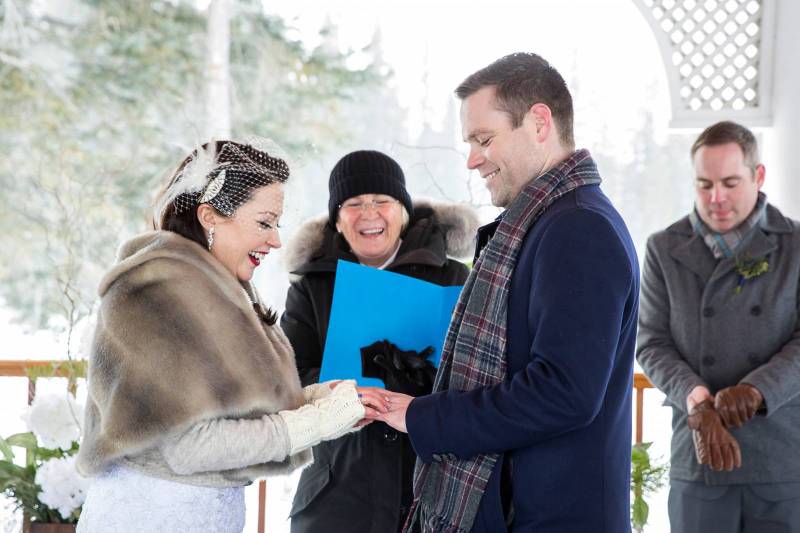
x: 224, y: 175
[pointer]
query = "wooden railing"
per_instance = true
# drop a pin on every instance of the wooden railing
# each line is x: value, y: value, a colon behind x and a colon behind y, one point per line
x: 640, y: 383
x: 22, y: 368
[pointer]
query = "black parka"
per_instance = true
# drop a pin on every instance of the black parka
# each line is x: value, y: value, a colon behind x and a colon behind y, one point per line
x: 362, y: 481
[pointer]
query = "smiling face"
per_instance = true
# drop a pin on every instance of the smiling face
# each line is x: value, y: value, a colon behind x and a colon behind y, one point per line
x: 371, y: 225
x: 242, y: 241
x: 727, y: 187
x: 507, y: 158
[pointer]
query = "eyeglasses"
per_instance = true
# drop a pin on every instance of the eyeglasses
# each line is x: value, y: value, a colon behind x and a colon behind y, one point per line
x: 359, y: 206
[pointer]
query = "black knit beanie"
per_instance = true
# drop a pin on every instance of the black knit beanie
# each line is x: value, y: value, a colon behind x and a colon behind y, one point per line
x: 366, y: 172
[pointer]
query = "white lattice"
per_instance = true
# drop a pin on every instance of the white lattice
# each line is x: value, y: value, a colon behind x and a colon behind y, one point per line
x: 715, y: 48
x: 718, y: 57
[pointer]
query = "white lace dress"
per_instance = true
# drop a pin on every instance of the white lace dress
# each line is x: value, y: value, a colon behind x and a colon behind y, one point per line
x: 123, y: 500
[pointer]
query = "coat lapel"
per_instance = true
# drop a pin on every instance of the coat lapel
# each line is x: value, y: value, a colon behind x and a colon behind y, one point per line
x: 695, y: 255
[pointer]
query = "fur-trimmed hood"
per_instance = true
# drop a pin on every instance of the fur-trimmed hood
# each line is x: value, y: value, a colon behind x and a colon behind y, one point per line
x: 458, y: 222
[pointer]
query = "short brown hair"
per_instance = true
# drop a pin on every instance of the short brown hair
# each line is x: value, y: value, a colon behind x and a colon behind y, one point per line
x: 730, y: 132
x: 522, y: 80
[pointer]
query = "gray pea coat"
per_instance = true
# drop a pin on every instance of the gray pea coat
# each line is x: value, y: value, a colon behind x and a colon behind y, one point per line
x: 694, y: 329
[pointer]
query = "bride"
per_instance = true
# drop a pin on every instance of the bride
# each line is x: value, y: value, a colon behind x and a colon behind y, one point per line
x: 193, y: 391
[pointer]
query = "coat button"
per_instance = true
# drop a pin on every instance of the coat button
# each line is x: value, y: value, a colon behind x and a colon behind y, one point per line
x: 708, y: 360
x: 755, y: 310
x: 708, y: 312
x: 390, y: 435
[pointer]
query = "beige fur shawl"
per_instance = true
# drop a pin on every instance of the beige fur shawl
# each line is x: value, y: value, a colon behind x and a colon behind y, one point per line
x: 177, y: 342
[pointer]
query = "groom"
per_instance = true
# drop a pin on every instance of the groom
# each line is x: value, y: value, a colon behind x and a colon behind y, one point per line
x: 529, y: 427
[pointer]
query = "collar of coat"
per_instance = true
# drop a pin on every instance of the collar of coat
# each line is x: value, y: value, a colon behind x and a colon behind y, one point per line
x: 693, y: 253
x: 436, y: 230
x: 774, y: 222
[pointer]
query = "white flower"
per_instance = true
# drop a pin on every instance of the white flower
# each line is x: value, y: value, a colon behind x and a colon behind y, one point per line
x: 55, y: 419
x: 10, y: 516
x: 63, y: 488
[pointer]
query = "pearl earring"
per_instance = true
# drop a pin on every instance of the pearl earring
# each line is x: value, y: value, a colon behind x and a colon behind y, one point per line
x: 210, y: 238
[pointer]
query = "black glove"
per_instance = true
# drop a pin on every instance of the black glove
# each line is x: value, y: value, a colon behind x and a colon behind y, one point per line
x: 405, y: 371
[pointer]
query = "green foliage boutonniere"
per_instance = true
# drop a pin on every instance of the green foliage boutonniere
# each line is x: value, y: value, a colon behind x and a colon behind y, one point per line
x: 748, y: 269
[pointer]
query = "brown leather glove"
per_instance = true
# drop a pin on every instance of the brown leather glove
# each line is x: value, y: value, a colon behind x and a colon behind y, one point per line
x: 737, y: 404
x: 713, y: 444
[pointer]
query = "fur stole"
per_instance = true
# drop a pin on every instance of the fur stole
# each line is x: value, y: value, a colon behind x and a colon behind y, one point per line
x: 177, y: 342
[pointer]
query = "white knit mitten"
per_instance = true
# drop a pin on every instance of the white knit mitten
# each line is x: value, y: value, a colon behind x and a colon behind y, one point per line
x: 317, y: 391
x: 339, y: 411
x: 303, y: 427
x: 326, y: 418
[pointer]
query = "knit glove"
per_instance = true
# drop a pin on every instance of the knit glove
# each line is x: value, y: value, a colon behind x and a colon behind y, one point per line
x: 737, y: 404
x: 317, y: 391
x: 323, y: 419
x: 713, y: 444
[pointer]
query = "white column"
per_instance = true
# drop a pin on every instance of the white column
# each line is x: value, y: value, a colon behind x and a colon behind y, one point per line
x: 781, y: 150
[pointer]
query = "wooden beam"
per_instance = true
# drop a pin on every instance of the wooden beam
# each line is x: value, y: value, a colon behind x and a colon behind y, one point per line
x: 640, y: 382
x: 262, y: 505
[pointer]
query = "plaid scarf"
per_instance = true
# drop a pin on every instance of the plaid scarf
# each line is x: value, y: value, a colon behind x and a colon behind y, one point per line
x: 447, y: 494
x: 725, y: 244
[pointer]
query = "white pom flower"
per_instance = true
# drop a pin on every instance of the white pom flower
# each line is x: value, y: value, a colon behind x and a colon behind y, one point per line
x: 55, y: 419
x: 63, y: 488
x: 10, y: 516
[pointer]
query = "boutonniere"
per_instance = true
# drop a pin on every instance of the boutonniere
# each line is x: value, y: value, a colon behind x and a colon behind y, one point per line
x: 748, y: 269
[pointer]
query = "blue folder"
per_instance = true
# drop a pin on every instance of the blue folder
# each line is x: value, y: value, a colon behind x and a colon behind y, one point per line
x: 372, y: 305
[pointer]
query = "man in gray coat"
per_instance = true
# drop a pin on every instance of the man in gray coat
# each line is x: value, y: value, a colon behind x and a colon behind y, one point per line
x: 719, y: 335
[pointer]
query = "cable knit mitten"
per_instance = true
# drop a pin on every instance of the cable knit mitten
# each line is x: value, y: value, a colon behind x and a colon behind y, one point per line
x: 339, y: 411
x: 326, y: 418
x: 303, y: 427
x: 317, y: 391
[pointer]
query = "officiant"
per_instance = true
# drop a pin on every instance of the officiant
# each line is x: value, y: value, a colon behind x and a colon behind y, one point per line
x: 362, y: 481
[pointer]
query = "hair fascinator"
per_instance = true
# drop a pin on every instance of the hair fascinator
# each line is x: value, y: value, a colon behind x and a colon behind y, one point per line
x: 224, y: 174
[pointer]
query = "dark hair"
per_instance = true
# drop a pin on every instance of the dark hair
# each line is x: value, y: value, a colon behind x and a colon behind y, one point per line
x: 730, y: 132
x: 186, y: 224
x: 522, y: 80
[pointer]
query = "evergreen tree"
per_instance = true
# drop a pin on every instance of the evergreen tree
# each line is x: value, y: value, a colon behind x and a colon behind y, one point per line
x: 101, y: 98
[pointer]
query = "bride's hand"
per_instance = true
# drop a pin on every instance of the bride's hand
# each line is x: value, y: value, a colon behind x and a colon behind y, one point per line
x: 375, y: 401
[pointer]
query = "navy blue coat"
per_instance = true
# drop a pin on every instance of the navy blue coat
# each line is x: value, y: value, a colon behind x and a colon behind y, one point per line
x: 562, y: 417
